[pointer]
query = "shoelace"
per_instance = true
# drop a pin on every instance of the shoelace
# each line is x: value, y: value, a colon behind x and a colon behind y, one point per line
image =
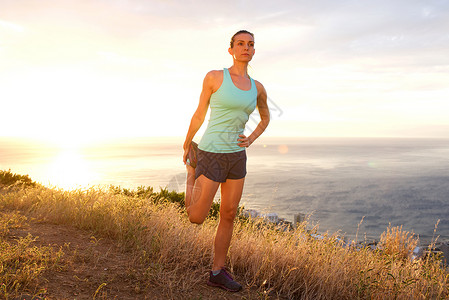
x: 225, y: 270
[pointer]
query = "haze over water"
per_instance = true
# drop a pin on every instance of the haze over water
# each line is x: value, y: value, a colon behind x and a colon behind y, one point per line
x: 337, y: 180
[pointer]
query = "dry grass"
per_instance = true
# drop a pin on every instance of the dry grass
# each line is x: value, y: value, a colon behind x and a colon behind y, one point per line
x: 291, y: 264
x: 21, y: 263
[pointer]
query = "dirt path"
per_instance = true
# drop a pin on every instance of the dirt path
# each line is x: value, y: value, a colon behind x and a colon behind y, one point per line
x: 97, y: 268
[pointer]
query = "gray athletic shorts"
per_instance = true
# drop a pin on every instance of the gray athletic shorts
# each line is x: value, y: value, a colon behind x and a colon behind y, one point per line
x: 221, y: 166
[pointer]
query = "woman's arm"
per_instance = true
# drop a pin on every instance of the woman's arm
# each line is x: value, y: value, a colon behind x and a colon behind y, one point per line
x: 264, y: 113
x: 200, y: 113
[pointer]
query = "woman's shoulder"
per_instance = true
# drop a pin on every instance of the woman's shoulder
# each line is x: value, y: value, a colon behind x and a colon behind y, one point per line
x: 259, y: 85
x: 214, y: 79
x: 215, y: 74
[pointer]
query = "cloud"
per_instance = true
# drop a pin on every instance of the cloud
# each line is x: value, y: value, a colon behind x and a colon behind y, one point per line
x: 330, y: 30
x: 332, y: 57
x: 400, y: 34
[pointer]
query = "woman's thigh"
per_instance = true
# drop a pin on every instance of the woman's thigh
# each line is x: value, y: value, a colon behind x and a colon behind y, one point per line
x: 231, y: 193
x: 203, y: 194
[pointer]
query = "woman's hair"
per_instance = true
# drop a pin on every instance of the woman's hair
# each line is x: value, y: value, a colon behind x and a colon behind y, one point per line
x: 237, y: 33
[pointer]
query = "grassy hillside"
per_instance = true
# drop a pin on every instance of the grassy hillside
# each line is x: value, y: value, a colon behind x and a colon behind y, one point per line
x: 176, y: 254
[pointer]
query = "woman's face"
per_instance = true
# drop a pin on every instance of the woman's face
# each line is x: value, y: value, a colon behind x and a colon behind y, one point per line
x: 243, y: 49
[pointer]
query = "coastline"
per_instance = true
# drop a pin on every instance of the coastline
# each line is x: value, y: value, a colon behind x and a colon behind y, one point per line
x: 338, y: 181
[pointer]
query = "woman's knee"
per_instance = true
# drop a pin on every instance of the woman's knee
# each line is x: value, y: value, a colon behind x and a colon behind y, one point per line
x: 195, y: 217
x: 228, y: 214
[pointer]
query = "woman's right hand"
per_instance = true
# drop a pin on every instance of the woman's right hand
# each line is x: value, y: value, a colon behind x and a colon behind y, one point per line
x: 186, y: 151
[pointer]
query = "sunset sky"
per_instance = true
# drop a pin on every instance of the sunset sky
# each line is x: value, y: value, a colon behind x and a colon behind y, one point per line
x: 76, y: 71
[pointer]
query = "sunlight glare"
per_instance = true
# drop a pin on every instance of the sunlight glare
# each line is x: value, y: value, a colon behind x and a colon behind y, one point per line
x: 70, y: 171
x: 283, y: 149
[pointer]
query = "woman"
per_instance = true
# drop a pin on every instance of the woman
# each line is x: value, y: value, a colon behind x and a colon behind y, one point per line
x: 220, y: 157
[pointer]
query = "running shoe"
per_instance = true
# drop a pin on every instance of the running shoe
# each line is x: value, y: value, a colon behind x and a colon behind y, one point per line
x: 224, y: 280
x: 192, y: 155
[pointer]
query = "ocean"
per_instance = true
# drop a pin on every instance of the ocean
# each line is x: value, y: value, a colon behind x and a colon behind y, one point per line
x: 350, y: 185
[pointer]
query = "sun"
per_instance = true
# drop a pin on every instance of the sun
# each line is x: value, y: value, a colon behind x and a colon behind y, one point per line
x: 69, y: 170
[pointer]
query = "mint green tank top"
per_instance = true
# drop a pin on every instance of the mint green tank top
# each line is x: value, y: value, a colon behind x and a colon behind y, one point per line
x: 230, y: 109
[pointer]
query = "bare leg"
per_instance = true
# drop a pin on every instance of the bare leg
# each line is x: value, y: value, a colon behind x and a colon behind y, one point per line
x: 200, y: 199
x: 190, y: 182
x: 231, y: 193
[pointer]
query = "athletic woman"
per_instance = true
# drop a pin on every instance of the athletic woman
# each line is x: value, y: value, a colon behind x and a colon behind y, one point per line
x: 220, y: 157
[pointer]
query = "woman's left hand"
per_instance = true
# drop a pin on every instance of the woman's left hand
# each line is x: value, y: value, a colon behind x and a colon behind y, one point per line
x: 244, y: 141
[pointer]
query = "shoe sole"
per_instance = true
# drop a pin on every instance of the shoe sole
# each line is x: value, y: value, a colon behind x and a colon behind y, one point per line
x: 194, y: 149
x: 221, y: 286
